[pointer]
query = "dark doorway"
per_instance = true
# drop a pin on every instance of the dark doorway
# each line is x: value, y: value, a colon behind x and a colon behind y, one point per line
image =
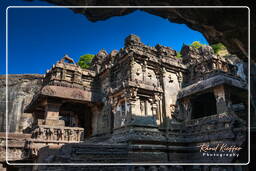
x: 77, y: 115
x: 203, y: 105
x: 239, y: 105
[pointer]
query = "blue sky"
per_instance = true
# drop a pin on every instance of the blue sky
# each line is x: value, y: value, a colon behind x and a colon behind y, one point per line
x: 40, y: 37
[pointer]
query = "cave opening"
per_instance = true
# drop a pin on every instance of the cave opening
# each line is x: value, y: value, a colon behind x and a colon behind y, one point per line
x: 203, y: 105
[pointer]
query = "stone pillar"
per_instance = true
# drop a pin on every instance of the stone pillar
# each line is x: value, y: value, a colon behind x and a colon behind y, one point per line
x: 52, y: 114
x: 95, y: 118
x: 179, y: 78
x: 58, y: 73
x: 214, y: 65
x: 132, y: 100
x: 156, y: 109
x: 164, y: 107
x: 63, y: 74
x: 133, y: 112
x: 144, y: 71
x: 222, y: 100
x: 187, y: 109
x: 160, y: 117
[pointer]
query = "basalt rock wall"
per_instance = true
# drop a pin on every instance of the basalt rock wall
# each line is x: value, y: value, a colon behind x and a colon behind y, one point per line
x: 21, y: 89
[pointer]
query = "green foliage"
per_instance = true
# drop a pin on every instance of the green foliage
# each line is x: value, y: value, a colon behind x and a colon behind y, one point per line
x: 218, y: 47
x: 85, y: 61
x: 196, y: 44
x: 178, y: 55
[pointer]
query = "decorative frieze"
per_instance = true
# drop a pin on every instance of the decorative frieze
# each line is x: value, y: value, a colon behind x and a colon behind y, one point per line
x: 57, y: 133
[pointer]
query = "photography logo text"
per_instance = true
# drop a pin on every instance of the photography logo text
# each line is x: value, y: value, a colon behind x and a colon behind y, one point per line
x: 219, y: 150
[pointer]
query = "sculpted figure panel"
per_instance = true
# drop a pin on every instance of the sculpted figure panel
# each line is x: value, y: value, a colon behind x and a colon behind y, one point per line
x: 137, y: 73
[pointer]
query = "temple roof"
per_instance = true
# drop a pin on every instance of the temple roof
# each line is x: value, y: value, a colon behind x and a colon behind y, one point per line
x: 218, y: 79
x: 62, y: 93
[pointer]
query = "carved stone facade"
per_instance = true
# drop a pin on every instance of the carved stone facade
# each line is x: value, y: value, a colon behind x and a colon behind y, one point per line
x: 142, y: 104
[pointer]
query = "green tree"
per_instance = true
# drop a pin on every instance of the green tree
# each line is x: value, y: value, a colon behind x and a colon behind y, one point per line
x: 178, y: 55
x: 85, y: 61
x: 218, y: 47
x: 196, y: 44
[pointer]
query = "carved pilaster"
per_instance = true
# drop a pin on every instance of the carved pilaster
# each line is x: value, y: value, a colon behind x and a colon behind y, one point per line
x: 179, y: 77
x: 52, y: 114
x: 63, y: 74
x: 131, y: 93
x: 58, y: 73
x: 132, y: 106
x: 144, y: 70
x: 95, y: 118
x: 187, y: 109
x: 222, y: 100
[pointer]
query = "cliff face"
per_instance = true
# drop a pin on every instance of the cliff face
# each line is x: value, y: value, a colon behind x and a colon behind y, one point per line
x: 21, y: 89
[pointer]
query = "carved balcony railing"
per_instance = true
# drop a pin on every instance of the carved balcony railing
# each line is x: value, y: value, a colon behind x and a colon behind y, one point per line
x: 214, y: 124
x: 217, y: 126
x: 58, y: 133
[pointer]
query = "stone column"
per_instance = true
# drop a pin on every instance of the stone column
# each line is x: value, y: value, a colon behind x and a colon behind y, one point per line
x: 160, y: 113
x: 156, y: 108
x: 214, y: 65
x: 164, y: 102
x: 133, y: 112
x: 132, y: 99
x: 152, y: 102
x: 52, y: 114
x: 222, y: 100
x: 58, y: 73
x: 187, y: 109
x: 95, y: 117
x: 179, y: 78
x: 144, y: 70
x: 63, y: 75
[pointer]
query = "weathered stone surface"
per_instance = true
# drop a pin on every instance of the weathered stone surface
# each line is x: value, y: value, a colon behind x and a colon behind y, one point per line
x: 226, y: 25
x: 153, y: 107
x: 21, y: 89
x: 212, y: 82
x: 16, y: 143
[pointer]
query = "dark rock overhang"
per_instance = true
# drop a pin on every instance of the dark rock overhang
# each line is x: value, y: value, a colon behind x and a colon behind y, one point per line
x: 226, y: 25
x: 220, y: 79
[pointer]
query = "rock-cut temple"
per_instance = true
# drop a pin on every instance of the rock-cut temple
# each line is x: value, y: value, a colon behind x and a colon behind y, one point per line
x: 136, y: 105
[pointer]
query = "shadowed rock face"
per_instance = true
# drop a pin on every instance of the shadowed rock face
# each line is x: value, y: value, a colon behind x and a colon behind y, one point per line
x: 229, y: 26
x: 21, y: 88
